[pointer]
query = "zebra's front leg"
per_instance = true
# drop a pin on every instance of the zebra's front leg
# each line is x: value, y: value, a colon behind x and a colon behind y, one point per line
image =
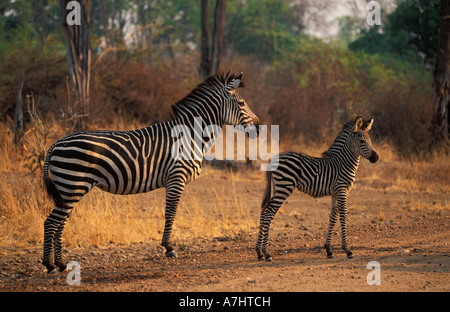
x: 173, y: 195
x: 343, y: 220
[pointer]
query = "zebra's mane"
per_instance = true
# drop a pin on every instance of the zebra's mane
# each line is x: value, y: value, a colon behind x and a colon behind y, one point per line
x: 340, y: 140
x: 213, y: 83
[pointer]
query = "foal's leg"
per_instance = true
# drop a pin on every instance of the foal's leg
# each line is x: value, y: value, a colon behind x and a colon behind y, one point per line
x: 267, y: 215
x: 333, y: 219
x: 342, y: 207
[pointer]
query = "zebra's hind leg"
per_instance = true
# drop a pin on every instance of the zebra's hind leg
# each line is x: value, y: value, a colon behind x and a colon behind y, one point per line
x: 49, y: 234
x: 280, y: 195
x: 53, y: 228
x: 59, y: 257
x: 333, y: 219
x: 343, y: 221
x: 266, y: 219
x: 259, y: 239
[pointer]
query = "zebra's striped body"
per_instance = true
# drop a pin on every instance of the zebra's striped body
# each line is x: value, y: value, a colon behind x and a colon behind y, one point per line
x: 333, y: 175
x: 131, y: 162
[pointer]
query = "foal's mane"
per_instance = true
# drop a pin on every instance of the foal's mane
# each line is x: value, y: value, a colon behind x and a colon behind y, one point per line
x: 340, y: 140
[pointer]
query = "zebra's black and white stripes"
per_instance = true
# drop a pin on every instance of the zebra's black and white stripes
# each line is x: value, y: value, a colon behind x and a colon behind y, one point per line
x: 131, y: 162
x: 333, y: 174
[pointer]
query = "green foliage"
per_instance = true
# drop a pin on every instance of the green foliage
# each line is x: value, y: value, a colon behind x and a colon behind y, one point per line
x: 265, y: 28
x: 323, y: 84
x: 411, y: 32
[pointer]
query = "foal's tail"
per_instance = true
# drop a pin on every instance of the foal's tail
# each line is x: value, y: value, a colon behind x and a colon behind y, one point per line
x: 266, y: 197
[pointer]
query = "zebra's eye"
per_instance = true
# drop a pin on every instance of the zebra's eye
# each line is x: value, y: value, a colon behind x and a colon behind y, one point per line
x: 241, y: 103
x: 362, y: 141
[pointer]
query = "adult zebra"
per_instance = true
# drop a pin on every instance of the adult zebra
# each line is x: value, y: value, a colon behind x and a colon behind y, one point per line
x: 332, y: 174
x: 131, y: 162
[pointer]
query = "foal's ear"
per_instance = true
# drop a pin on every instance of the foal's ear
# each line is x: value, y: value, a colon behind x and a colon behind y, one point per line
x: 236, y: 82
x: 368, y: 125
x: 358, y: 123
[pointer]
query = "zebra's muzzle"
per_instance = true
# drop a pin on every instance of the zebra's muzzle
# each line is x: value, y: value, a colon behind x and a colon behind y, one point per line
x: 374, y: 157
x: 255, y: 123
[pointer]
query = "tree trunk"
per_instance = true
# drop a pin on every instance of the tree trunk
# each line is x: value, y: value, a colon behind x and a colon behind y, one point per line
x: 205, y: 68
x: 441, y: 74
x: 219, y: 21
x: 76, y: 22
x: 209, y: 62
x: 18, y: 116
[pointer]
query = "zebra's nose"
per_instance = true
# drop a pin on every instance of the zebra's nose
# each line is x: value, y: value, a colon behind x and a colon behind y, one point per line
x: 256, y: 123
x: 374, y: 157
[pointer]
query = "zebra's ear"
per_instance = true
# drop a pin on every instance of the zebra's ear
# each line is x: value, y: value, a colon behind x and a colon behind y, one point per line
x: 368, y: 124
x: 236, y: 82
x: 358, y: 123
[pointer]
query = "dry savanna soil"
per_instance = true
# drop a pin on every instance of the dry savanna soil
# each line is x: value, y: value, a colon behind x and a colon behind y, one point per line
x: 405, y: 232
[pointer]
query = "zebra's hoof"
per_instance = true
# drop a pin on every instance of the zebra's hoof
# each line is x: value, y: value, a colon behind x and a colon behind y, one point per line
x: 260, y: 255
x: 350, y: 255
x: 51, y: 268
x: 171, y: 254
x: 330, y: 255
x: 62, y: 266
x: 269, y: 259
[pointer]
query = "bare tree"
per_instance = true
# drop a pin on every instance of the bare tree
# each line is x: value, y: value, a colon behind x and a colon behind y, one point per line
x: 441, y: 75
x: 210, y: 61
x: 18, y: 116
x: 219, y: 21
x: 76, y: 22
x: 204, y: 44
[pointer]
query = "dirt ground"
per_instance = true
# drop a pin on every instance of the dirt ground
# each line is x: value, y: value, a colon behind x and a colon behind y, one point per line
x: 410, y: 245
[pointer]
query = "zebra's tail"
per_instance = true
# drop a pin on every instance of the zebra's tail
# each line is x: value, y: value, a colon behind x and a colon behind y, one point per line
x: 50, y: 187
x: 267, y: 192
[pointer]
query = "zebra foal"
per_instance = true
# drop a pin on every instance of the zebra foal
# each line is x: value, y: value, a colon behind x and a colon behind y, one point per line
x: 137, y: 161
x: 333, y: 175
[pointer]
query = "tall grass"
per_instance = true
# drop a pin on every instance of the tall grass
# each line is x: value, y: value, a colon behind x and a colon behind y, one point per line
x: 102, y: 218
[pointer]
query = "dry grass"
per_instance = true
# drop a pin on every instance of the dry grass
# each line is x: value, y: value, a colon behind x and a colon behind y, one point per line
x: 102, y: 218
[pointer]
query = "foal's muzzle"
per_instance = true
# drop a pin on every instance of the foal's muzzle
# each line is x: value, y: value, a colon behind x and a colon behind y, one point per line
x: 374, y: 157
